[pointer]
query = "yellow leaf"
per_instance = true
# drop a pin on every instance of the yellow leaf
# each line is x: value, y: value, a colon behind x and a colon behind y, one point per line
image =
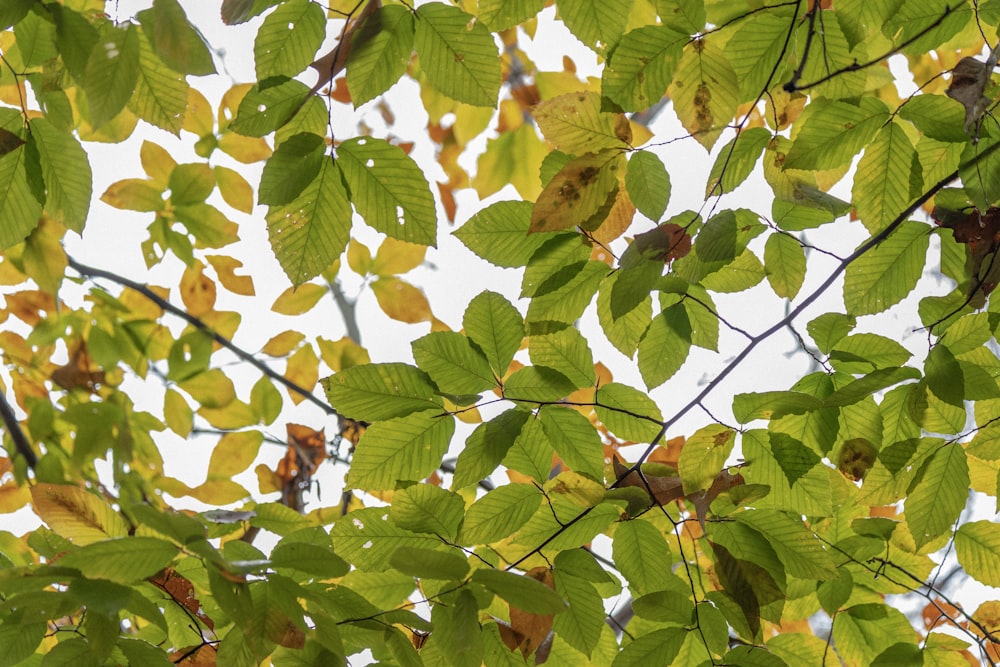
x: 303, y: 370
x: 401, y: 301
x: 234, y: 453
x: 13, y: 497
x: 225, y: 268
x: 76, y: 514
x: 578, y: 192
x: 394, y: 257
x: 177, y: 413
x: 618, y: 220
x: 198, y: 117
x: 640, y: 133
x: 141, y: 307
x: 470, y: 121
x: 359, y: 258
x: 222, y: 322
x: 297, y: 300
x: 134, y: 194
x: 236, y: 414
x: 44, y: 258
x: 244, y: 149
x: 267, y: 480
x: 514, y: 157
x: 235, y: 189
x: 219, y: 492
x: 157, y: 163
x: 342, y: 354
x: 197, y: 290
x: 283, y: 343
x: 211, y: 388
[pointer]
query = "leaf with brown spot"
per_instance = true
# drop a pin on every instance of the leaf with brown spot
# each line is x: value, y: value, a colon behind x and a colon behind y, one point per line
x: 705, y: 91
x: 575, y: 124
x: 580, y: 189
x: 197, y: 290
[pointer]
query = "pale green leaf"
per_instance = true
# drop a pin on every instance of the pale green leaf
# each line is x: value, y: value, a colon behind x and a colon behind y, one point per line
x: 703, y: 456
x: 628, y: 413
x: 567, y: 303
x: 429, y: 563
x: 830, y: 328
x: 643, y: 556
x: 20, y: 189
x: 161, y: 94
x: 537, y: 384
x: 288, y: 38
x: 924, y: 25
x: 487, y: 446
x: 832, y: 132
x: 122, y: 560
x: 888, y: 178
x: 388, y: 189
x: 772, y: 405
x: 739, y: 275
x: 937, y: 116
x: 372, y: 392
x: 574, y: 439
x: 865, y: 352
x: 575, y: 124
x: 977, y: 545
x: 736, y: 160
x: 112, y: 73
x: 582, y: 188
x: 784, y: 264
x: 755, y: 48
x: 656, y: 647
x: 499, y: 513
x: 599, y: 25
x: 454, y: 365
x: 499, y: 234
x: 495, y: 326
x: 66, y: 172
x: 407, y: 448
x: 884, y: 275
x: 626, y: 331
x: 687, y: 16
x: 426, y: 508
x: 521, y: 591
x: 367, y: 538
x: 798, y: 548
x: 457, y: 54
x: 380, y: 52
x: 311, y: 231
x: 938, y: 495
x: 980, y: 170
x: 641, y: 67
x: 648, y: 184
x: 580, y: 625
x: 268, y: 106
x: 565, y: 351
x: 665, y: 347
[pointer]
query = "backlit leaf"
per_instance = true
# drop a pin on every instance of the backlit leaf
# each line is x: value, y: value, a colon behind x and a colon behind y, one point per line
x: 406, y: 448
x: 648, y: 184
x: 374, y: 392
x: 457, y: 54
x: 499, y: 513
x: 785, y: 264
x: 122, y: 560
x: 641, y: 67
x: 599, y: 25
x: 288, y: 39
x: 834, y: 132
x: 175, y: 40
x: 577, y: 192
x: 380, y: 50
x: 67, y: 174
x: 888, y: 178
x: 495, y: 327
x: 269, y: 105
x: 736, y: 160
x: 76, y: 514
x: 664, y: 348
x: 705, y: 91
x: 499, y: 234
x: 884, y: 275
x: 574, y: 123
x: 112, y: 73
x: 977, y: 545
x: 938, y: 495
x: 454, y: 365
x: 298, y: 300
x: 627, y: 412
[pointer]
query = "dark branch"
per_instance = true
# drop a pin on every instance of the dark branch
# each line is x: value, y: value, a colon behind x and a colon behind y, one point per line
x: 17, y: 433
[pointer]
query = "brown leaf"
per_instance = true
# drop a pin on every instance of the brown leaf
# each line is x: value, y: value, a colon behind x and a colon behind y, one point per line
x: 329, y: 64
x: 664, y: 243
x: 80, y: 372
x: 968, y: 81
x: 530, y: 630
x: 9, y: 141
x: 981, y: 233
x: 182, y: 592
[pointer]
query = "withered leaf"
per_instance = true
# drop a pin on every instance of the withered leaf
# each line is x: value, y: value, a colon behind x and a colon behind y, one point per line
x: 968, y: 81
x: 980, y: 232
x: 580, y: 189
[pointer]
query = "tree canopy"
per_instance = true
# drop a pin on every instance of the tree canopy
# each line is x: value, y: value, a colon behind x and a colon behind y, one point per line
x: 526, y: 483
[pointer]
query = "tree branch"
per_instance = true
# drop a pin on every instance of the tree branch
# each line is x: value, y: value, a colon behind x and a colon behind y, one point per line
x: 17, y: 433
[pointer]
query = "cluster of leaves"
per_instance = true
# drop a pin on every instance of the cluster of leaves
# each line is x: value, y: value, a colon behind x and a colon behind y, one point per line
x: 816, y: 502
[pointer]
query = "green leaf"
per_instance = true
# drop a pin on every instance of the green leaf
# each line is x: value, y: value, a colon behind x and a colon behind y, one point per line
x: 504, y: 14
x: 537, y: 384
x: 703, y: 456
x: 75, y: 37
x: 291, y: 168
x: 755, y: 49
x: 567, y: 303
x: 580, y: 625
x: 863, y: 631
x: 832, y: 132
x: 977, y: 545
x: 648, y: 184
x: 499, y: 234
x: 430, y: 563
x: 665, y: 347
x: 372, y: 392
x: 830, y: 328
x: 863, y: 353
x: 656, y: 647
x: 367, y: 538
x: 641, y: 67
x: 567, y: 352
x: 406, y: 448
x: 705, y: 91
x: 178, y: 44
x: 499, y: 513
x: 687, y: 16
x: 772, y: 405
x: 575, y: 124
x: 13, y: 12
x: 457, y: 54
x: 425, y: 508
x: 641, y: 553
x: 495, y: 327
x: 884, y: 275
x: 736, y: 161
x: 380, y: 51
x: 311, y: 231
x: 739, y: 275
x: 944, y: 375
x: 937, y: 116
x: 554, y: 264
x: 938, y: 495
x: 288, y: 38
x: 980, y: 171
x: 122, y: 560
x: 628, y: 413
x: 784, y: 264
x: 457, y: 630
x: 67, y: 174
x: 599, y: 25
x: 521, y: 591
x: 802, y: 554
x: 309, y: 558
x: 487, y: 446
x: 808, y: 494
x: 454, y: 365
x: 888, y: 178
x: 20, y: 203
x: 112, y: 73
x: 161, y: 94
x: 516, y: 158
x: 389, y: 189
x: 921, y: 26
x: 625, y: 331
x: 269, y: 105
x: 574, y: 439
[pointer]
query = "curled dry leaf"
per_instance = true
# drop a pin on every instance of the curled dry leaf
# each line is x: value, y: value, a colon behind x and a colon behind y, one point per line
x: 968, y: 81
x: 980, y: 232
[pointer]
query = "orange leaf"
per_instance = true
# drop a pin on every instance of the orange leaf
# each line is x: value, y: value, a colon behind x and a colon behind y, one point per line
x: 531, y: 629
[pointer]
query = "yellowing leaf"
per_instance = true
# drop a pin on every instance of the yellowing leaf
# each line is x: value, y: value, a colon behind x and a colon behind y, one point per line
x: 514, y: 157
x: 13, y: 496
x: 236, y: 414
x: 705, y: 91
x: 197, y: 290
x: 581, y: 188
x: 297, y: 300
x: 219, y: 492
x: 198, y: 115
x: 134, y: 194
x: 44, y: 258
x: 401, y: 301
x: 223, y: 322
x: 394, y: 257
x: 76, y: 514
x: 303, y: 370
x: 225, y: 268
x: 283, y: 343
x: 234, y: 453
x: 177, y: 413
x: 211, y: 388
x: 234, y: 189
x: 142, y: 308
x: 244, y: 149
x: 341, y: 354
x: 575, y: 124
x: 157, y: 162
x: 359, y: 257
x: 267, y: 480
